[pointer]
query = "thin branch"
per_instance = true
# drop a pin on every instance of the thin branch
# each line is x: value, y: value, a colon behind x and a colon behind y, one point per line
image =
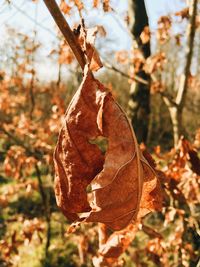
x: 32, y: 82
x: 66, y: 31
x: 36, y: 153
x: 134, y: 78
x: 180, y: 99
x: 46, y: 206
x: 41, y: 187
x: 103, y: 235
x: 168, y: 99
x: 150, y: 231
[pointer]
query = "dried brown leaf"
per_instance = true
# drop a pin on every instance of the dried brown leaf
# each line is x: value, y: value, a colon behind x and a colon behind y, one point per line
x: 66, y: 9
x: 184, y: 13
x: 145, y: 35
x: 118, y: 242
x: 95, y: 3
x: 86, y: 40
x: 123, y: 184
x: 191, y: 154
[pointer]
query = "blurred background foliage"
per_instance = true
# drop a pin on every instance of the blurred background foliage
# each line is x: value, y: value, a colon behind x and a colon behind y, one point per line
x: 34, y: 97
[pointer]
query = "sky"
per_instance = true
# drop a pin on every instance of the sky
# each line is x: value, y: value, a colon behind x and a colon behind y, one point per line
x: 25, y: 16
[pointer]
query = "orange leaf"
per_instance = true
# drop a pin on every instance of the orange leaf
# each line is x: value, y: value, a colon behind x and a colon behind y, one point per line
x: 95, y: 3
x: 145, y: 35
x: 65, y: 7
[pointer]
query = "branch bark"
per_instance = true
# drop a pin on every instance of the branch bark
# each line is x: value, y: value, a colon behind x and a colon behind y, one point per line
x: 30, y: 152
x: 134, y: 78
x: 66, y: 31
x: 181, y: 94
x: 46, y: 206
x: 139, y: 102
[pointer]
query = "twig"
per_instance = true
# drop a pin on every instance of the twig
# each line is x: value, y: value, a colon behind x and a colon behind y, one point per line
x: 134, y: 78
x: 32, y: 82
x: 47, y: 210
x: 103, y: 235
x: 150, y: 231
x: 66, y: 31
x: 36, y: 153
x: 168, y: 99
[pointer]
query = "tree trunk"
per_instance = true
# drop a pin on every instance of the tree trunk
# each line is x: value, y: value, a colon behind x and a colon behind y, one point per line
x: 139, y: 103
x: 176, y: 106
x: 176, y: 118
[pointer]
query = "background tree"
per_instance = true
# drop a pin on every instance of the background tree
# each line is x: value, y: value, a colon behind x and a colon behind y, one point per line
x: 139, y: 103
x: 33, y: 232
x: 176, y: 105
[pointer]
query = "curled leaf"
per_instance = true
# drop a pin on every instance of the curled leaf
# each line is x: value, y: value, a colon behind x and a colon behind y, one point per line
x: 123, y: 185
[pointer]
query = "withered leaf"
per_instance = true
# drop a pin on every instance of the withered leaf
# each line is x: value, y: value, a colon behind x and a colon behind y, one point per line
x: 145, y: 35
x: 118, y: 242
x: 66, y: 9
x: 188, y: 150
x: 110, y: 251
x: 77, y: 161
x: 184, y: 13
x: 123, y: 184
x: 86, y: 39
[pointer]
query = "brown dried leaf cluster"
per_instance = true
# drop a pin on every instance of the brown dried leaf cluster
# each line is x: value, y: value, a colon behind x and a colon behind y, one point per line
x: 106, y: 5
x: 145, y: 35
x: 164, y: 27
x: 123, y: 185
x: 122, y: 56
x: 66, y: 9
x: 95, y: 3
x: 113, y: 246
x: 184, y: 13
x: 155, y: 63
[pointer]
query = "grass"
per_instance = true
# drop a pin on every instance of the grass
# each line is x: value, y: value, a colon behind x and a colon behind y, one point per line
x: 63, y: 251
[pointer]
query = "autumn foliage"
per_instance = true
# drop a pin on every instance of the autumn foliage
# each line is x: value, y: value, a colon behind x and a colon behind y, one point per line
x: 68, y: 145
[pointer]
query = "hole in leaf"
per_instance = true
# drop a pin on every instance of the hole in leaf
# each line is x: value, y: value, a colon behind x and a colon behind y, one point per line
x: 89, y: 189
x: 101, y: 142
